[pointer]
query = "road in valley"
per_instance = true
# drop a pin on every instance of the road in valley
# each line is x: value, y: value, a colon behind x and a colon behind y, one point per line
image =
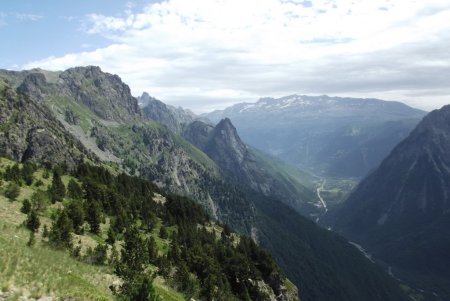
x: 322, y: 202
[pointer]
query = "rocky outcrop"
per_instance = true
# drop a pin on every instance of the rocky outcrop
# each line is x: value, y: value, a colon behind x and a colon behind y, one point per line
x: 198, y: 133
x: 33, y: 86
x: 103, y: 93
x: 176, y: 119
x: 224, y: 146
x: 31, y: 133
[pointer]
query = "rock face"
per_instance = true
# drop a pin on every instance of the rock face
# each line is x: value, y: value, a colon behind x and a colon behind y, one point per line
x: 198, y: 133
x: 401, y: 212
x: 224, y: 146
x: 176, y: 119
x: 30, y: 132
x: 34, y: 85
x: 330, y: 136
x: 105, y: 94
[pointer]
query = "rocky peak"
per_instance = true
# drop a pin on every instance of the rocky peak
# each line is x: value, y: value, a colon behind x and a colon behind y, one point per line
x: 176, y: 119
x: 144, y: 99
x: 105, y: 94
x: 226, y: 140
x: 437, y: 120
x: 33, y: 85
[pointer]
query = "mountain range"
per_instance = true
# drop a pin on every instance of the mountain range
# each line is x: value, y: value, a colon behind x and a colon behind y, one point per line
x: 328, y: 136
x: 401, y: 212
x: 84, y: 114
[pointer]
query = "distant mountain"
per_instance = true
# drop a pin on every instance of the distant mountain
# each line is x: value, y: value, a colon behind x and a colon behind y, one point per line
x: 176, y: 119
x: 401, y: 212
x: 91, y: 116
x: 331, y: 136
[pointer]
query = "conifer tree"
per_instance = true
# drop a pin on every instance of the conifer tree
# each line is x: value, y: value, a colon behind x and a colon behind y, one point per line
x: 26, y: 206
x: 75, y: 211
x: 57, y: 190
x: 111, y: 239
x: 74, y: 190
x: 61, y: 233
x: 140, y: 288
x: 13, y: 173
x: 93, y: 216
x: 152, y: 250
x: 163, y: 232
x: 133, y: 254
x: 33, y: 221
x: 27, y: 173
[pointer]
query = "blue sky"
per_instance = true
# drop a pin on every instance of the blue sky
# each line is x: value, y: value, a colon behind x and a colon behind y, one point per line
x: 208, y: 54
x: 39, y: 29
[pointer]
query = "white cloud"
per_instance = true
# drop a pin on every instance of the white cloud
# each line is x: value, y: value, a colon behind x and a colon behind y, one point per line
x: 5, y: 18
x: 28, y: 17
x: 203, y: 54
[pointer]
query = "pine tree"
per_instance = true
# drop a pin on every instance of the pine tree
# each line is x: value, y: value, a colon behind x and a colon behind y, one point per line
x: 57, y: 190
x: 133, y: 254
x: 163, y: 232
x: 26, y: 206
x: 111, y: 239
x: 13, y: 174
x: 75, y: 211
x: 61, y: 233
x: 140, y: 288
x: 74, y: 190
x: 32, y: 221
x: 93, y: 216
x: 27, y: 173
x: 152, y: 250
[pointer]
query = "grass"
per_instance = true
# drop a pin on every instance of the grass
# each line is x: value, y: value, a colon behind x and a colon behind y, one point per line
x: 163, y: 245
x: 166, y: 293
x: 85, y: 115
x: 40, y: 271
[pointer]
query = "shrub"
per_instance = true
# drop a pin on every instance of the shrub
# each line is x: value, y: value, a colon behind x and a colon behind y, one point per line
x: 12, y: 191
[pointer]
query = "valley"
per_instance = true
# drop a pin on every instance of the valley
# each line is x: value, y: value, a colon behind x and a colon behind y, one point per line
x: 212, y: 150
x: 88, y: 116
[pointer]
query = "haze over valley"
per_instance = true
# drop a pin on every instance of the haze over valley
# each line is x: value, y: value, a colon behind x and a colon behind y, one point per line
x: 269, y: 150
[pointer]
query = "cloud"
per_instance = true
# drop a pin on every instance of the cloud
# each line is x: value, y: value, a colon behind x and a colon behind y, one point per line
x: 205, y: 54
x: 23, y: 17
x: 6, y: 18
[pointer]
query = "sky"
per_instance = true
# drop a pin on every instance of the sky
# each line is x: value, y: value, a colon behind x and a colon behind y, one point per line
x: 209, y: 54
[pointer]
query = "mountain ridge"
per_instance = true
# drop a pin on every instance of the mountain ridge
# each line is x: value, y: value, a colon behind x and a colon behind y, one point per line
x: 329, y: 136
x: 404, y: 206
x: 176, y: 165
